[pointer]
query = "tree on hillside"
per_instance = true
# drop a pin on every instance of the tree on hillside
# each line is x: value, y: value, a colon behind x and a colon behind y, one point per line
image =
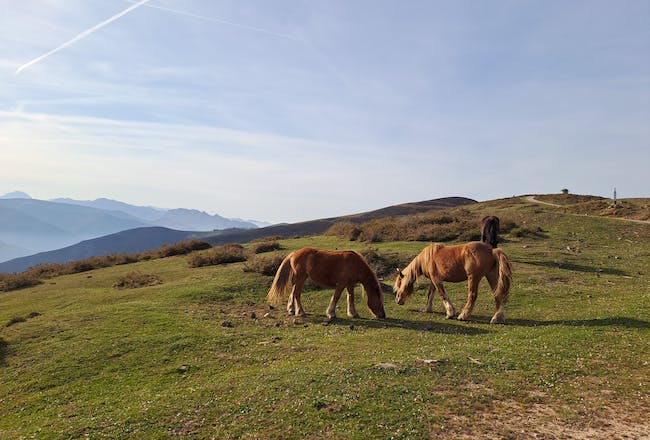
x: 565, y: 191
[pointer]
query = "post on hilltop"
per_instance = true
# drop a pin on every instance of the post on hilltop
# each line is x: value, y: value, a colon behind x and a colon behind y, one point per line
x: 615, y: 200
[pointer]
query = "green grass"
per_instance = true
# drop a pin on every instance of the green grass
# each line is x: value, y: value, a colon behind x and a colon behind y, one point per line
x: 187, y: 358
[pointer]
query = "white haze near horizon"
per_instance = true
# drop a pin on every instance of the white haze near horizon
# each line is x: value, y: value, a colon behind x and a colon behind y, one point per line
x: 295, y: 110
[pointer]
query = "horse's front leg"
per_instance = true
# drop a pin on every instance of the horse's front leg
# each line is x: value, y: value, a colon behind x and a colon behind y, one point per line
x: 429, y: 307
x: 449, y: 307
x: 331, y: 309
x: 472, y: 292
x: 352, y: 311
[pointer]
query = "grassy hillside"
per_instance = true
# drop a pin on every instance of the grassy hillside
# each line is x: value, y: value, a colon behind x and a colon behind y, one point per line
x: 201, y: 355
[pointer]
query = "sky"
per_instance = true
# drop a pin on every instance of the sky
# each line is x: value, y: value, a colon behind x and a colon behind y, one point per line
x: 291, y: 110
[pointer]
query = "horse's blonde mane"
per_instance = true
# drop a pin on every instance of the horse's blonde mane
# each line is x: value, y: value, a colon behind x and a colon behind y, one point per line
x: 423, y: 260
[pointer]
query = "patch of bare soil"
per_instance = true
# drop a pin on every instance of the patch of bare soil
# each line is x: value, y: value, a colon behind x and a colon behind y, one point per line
x: 514, y: 421
x: 596, y: 413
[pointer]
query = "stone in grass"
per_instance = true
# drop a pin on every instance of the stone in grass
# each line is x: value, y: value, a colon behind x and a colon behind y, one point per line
x: 386, y: 366
x: 227, y: 324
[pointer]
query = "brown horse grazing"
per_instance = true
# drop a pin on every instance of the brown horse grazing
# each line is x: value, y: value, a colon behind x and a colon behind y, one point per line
x: 490, y: 230
x: 471, y: 262
x: 337, y: 269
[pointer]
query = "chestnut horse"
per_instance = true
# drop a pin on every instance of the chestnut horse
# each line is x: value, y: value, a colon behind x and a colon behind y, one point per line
x: 337, y: 269
x: 490, y: 230
x: 471, y: 262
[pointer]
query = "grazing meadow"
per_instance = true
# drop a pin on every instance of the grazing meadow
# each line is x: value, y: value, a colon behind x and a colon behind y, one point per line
x: 197, y: 352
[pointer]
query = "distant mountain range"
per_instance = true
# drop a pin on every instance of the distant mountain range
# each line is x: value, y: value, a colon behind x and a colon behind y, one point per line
x: 145, y: 238
x: 29, y: 226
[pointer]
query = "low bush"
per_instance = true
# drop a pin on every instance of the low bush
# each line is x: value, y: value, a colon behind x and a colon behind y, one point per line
x: 136, y: 279
x: 527, y: 232
x: 181, y: 248
x: 384, y: 264
x: 266, y: 246
x: 228, y: 253
x: 345, y: 229
x: 9, y: 282
x: 264, y: 264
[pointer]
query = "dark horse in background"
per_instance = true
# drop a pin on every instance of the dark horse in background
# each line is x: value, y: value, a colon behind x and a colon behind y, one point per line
x: 490, y: 230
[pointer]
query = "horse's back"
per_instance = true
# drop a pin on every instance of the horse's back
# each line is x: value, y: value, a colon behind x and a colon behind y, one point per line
x: 326, y: 267
x: 453, y: 263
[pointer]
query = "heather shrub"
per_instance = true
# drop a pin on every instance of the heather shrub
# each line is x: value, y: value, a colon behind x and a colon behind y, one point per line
x: 266, y: 246
x: 383, y: 264
x: 264, y: 264
x: 228, y: 253
x: 135, y: 279
x: 345, y: 230
x: 181, y: 248
x: 528, y: 232
x: 9, y: 282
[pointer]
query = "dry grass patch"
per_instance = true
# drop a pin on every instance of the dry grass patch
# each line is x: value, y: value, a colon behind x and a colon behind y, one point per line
x: 136, y: 279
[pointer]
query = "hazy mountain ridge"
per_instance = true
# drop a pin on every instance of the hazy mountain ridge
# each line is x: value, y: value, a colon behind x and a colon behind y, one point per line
x: 29, y: 226
x: 140, y: 239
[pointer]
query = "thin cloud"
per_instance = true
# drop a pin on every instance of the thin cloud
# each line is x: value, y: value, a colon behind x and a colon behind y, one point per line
x: 226, y: 22
x: 82, y: 35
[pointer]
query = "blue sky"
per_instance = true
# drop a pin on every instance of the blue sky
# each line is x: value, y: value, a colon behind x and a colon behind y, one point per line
x: 291, y: 110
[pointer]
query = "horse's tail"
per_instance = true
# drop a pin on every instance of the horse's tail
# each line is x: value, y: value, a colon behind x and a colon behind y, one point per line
x: 505, y: 275
x: 283, y: 278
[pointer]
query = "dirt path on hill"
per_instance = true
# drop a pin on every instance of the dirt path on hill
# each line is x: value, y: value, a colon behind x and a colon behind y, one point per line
x: 532, y: 199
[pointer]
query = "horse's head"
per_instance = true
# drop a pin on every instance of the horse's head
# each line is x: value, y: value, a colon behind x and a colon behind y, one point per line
x: 375, y: 299
x: 403, y: 288
x: 376, y: 305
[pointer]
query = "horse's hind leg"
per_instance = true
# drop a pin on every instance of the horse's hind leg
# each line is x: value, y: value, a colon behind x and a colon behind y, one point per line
x: 331, y: 309
x: 352, y: 311
x: 472, y: 292
x: 449, y: 307
x: 500, y: 301
x: 294, y: 298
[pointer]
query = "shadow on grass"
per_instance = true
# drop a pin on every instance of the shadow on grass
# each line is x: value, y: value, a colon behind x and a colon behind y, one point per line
x: 4, y: 350
x: 575, y: 267
x: 617, y: 321
x: 432, y: 326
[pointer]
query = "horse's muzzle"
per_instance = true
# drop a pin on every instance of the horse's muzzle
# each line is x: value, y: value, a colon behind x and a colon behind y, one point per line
x: 399, y: 301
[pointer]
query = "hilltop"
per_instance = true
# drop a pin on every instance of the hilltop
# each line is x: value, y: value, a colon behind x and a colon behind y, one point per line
x: 200, y: 353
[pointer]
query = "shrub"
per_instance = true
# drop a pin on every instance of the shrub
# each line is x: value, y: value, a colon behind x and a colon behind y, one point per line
x: 345, y: 230
x: 383, y: 264
x: 135, y: 279
x: 266, y: 246
x: 527, y: 232
x: 9, y: 282
x: 228, y: 253
x: 182, y: 248
x: 264, y: 264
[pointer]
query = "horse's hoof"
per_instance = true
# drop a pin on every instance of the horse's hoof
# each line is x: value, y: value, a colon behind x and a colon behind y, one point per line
x: 463, y: 317
x: 450, y: 316
x: 328, y: 320
x: 355, y: 315
x: 426, y: 310
x: 498, y: 320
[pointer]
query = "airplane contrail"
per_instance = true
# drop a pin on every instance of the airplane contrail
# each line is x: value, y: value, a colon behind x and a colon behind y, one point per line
x: 81, y: 35
x: 221, y: 21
